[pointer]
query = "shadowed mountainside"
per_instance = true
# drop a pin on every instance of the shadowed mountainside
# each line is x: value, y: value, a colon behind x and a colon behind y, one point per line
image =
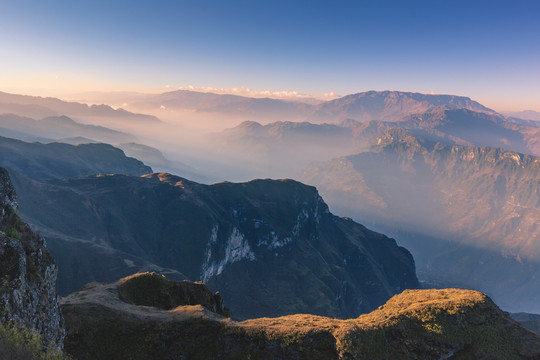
x: 59, y: 160
x: 272, y: 246
x: 416, y: 324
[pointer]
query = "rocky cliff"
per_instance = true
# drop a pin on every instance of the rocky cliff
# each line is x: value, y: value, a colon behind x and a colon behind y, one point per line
x: 416, y: 324
x: 27, y: 273
x: 271, y: 247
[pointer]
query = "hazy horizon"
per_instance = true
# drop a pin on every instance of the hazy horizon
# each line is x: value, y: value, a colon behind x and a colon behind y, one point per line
x: 485, y: 51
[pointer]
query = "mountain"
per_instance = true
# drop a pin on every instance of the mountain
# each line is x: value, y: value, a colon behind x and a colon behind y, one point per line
x: 155, y: 158
x: 39, y: 107
x: 271, y: 247
x: 526, y: 114
x: 59, y: 160
x: 224, y: 104
x: 371, y: 105
x: 476, y: 206
x: 186, y: 99
x: 416, y: 324
x: 390, y: 106
x: 528, y: 321
x: 459, y: 127
x: 281, y: 147
x: 262, y: 109
x: 27, y: 288
x: 55, y: 128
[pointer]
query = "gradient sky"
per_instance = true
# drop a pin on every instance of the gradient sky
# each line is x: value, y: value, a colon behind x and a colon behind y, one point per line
x: 488, y: 50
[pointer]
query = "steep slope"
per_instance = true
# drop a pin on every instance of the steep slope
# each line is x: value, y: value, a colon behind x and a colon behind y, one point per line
x: 28, y: 273
x: 419, y: 324
x: 451, y: 201
x: 274, y: 244
x: 58, y: 160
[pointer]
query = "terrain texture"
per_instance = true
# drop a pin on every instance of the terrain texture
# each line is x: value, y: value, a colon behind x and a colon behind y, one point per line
x: 416, y: 324
x: 478, y: 207
x: 271, y: 247
x: 27, y: 273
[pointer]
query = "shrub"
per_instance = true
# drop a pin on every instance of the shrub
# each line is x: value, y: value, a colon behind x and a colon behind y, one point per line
x: 20, y: 343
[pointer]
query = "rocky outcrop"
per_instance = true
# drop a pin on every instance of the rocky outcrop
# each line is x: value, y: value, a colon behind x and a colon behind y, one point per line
x: 151, y: 289
x: 416, y: 324
x: 27, y: 273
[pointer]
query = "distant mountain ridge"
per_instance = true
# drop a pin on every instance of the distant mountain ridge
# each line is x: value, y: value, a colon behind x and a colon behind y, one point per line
x: 57, y: 127
x: 39, y: 107
x: 447, y: 202
x: 370, y: 105
x: 391, y: 105
x: 526, y: 114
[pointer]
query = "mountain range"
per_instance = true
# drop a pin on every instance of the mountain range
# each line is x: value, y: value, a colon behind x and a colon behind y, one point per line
x: 371, y: 105
x: 270, y: 247
x: 55, y: 128
x: 40, y: 107
x: 60, y: 160
x: 445, y: 201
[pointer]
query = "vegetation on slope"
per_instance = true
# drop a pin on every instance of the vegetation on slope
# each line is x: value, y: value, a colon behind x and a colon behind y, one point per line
x: 416, y: 324
x: 20, y: 343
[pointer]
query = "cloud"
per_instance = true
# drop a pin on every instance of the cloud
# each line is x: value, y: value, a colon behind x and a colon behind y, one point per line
x: 245, y: 91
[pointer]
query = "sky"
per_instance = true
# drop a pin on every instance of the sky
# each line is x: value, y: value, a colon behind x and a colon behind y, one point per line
x: 487, y: 50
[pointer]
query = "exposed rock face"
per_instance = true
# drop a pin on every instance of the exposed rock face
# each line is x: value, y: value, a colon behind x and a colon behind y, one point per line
x: 27, y: 272
x: 271, y: 247
x: 417, y: 324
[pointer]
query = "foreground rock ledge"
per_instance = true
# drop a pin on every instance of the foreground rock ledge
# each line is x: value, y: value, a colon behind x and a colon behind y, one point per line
x: 416, y: 324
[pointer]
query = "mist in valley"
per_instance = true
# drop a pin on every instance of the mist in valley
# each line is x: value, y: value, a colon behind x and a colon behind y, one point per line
x: 411, y: 176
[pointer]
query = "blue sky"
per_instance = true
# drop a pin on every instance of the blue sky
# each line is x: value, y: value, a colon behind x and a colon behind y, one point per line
x: 488, y: 50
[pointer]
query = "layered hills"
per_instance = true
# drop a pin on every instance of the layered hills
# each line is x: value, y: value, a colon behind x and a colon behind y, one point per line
x: 271, y: 247
x: 57, y: 127
x: 60, y: 160
x: 39, y: 107
x: 371, y: 105
x: 416, y: 324
x: 447, y: 202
